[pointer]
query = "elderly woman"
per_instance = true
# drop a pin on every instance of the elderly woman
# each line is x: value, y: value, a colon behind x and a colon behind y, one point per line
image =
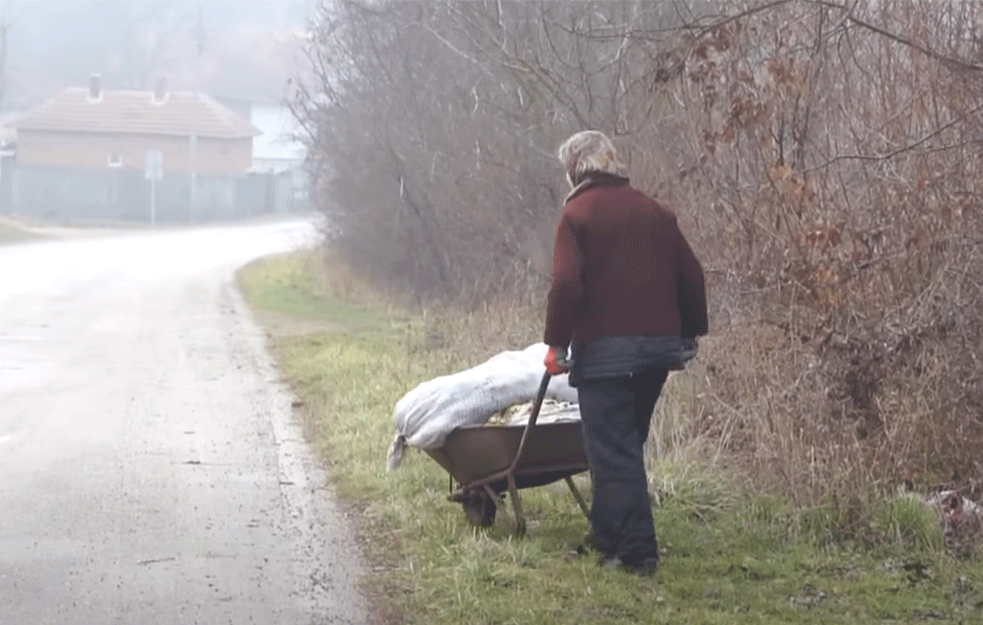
x: 628, y: 299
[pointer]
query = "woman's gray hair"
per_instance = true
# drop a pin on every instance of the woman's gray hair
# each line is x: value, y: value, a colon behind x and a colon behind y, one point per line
x: 589, y: 151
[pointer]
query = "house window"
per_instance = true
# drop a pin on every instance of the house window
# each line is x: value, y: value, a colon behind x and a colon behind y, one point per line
x: 115, y: 159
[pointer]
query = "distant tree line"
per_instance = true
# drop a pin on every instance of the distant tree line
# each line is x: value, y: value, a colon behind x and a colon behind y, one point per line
x: 56, y: 43
x: 823, y: 156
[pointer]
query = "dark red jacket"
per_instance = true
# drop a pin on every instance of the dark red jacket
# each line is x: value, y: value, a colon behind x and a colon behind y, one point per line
x: 621, y: 267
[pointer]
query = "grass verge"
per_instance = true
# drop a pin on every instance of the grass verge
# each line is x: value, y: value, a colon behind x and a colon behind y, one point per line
x: 728, y: 557
x: 11, y: 232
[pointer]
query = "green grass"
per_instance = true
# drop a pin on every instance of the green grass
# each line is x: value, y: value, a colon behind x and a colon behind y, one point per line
x: 728, y: 557
x: 287, y: 284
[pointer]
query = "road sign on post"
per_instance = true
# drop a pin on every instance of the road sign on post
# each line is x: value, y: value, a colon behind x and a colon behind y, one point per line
x: 153, y: 170
x: 193, y: 194
x: 153, y: 165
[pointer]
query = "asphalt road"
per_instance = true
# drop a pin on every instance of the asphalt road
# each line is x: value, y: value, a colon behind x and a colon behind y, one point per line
x: 151, y: 471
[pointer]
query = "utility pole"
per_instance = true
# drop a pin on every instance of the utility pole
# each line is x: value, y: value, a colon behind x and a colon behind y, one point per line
x: 153, y: 170
x: 199, y: 37
x: 192, y: 158
x: 4, y: 31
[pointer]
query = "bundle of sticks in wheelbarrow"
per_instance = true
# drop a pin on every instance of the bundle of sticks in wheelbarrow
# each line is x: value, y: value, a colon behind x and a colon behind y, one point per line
x: 486, y: 460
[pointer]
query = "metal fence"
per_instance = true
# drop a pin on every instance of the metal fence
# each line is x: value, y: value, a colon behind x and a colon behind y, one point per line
x: 124, y: 195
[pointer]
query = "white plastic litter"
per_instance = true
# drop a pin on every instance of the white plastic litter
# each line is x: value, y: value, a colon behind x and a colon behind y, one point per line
x: 957, y: 512
x: 428, y: 413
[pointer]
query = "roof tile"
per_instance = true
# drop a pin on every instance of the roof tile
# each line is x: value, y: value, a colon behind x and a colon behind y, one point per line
x: 135, y: 112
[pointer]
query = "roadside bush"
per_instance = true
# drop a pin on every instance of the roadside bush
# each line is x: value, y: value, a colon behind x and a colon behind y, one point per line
x: 822, y: 160
x: 911, y: 522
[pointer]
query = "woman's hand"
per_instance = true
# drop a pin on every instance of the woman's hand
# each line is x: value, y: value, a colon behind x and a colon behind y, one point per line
x: 556, y: 361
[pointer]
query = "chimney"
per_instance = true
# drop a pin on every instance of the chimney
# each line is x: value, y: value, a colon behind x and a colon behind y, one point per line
x: 95, y: 87
x: 160, y: 90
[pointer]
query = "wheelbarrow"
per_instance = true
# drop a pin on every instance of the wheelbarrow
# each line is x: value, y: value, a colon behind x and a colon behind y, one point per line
x: 486, y: 460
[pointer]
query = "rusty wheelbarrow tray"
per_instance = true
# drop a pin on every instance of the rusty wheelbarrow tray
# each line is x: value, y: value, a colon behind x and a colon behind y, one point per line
x: 486, y: 460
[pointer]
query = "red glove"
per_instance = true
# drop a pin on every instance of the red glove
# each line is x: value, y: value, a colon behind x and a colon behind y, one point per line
x: 556, y: 361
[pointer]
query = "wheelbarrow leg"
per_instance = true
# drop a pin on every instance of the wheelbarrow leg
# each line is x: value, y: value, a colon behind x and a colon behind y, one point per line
x: 578, y: 496
x: 520, y: 520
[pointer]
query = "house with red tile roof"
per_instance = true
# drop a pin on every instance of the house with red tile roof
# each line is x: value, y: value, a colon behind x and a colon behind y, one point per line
x: 100, y: 129
x: 84, y: 154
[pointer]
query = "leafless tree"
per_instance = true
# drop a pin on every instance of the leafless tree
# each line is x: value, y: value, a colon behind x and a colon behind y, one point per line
x: 822, y: 155
x: 153, y: 32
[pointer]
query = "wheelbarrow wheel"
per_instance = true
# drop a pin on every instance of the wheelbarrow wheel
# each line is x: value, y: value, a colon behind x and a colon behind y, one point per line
x: 480, y: 509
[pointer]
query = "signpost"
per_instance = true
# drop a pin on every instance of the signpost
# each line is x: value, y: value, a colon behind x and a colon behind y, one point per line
x: 192, y: 196
x: 153, y: 170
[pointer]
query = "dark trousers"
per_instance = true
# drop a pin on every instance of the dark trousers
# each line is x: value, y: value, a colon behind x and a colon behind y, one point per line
x: 616, y: 413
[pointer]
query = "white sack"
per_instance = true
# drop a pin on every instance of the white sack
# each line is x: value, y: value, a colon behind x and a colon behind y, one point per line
x: 428, y: 413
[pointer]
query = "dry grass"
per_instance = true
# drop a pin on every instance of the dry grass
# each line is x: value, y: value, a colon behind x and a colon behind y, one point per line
x: 729, y: 556
x: 776, y: 413
x: 765, y: 408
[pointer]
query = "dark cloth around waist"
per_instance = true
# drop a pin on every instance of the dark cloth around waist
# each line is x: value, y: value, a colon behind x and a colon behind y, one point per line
x: 618, y: 356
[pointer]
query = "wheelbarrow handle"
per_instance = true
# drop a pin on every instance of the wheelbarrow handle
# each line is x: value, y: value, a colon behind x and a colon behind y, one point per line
x: 509, y: 474
x: 533, y: 415
x: 540, y: 396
